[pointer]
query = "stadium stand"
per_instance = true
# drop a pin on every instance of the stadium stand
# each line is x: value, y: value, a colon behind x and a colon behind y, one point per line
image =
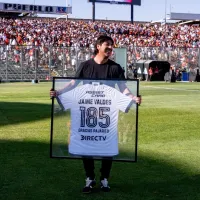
x: 55, y: 47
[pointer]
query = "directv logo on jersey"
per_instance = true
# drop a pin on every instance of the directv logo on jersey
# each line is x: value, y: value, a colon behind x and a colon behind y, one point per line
x: 93, y: 138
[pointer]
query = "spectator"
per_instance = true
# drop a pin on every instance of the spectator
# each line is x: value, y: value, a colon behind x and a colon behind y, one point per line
x: 142, y: 40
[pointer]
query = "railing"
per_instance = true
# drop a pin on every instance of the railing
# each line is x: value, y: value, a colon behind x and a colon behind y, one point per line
x: 177, y: 57
x: 22, y: 63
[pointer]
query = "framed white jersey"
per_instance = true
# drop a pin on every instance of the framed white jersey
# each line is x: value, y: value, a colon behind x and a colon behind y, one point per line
x: 94, y: 118
x: 89, y: 118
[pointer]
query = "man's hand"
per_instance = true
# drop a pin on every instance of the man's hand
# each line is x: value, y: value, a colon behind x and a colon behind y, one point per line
x: 53, y: 93
x: 127, y: 92
x: 137, y: 100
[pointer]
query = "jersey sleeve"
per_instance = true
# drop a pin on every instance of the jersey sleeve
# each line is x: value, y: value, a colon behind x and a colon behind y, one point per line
x: 66, y: 100
x: 123, y: 102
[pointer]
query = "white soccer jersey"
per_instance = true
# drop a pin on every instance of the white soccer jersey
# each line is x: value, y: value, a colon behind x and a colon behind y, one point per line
x: 94, y: 118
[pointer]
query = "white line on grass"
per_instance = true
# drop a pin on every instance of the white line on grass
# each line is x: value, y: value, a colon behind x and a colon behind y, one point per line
x: 178, y: 89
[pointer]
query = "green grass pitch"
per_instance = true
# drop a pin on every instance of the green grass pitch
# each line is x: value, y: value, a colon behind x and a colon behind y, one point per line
x: 168, y: 148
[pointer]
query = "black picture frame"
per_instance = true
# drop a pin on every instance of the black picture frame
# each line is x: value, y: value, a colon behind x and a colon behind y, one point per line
x: 95, y: 158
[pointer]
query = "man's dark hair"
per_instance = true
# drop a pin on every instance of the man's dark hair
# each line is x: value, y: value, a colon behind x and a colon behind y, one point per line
x: 100, y: 40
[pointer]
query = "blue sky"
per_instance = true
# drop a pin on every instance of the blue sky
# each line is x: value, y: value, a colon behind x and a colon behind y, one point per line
x: 149, y: 10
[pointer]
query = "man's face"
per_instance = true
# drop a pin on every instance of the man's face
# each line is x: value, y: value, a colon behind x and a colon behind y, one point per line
x: 105, y: 49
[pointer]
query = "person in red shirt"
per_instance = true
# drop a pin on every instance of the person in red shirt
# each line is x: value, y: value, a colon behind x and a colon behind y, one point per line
x: 150, y: 72
x: 156, y: 70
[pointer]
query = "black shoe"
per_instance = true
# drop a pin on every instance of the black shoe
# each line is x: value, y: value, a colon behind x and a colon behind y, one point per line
x: 104, y: 185
x: 90, y: 184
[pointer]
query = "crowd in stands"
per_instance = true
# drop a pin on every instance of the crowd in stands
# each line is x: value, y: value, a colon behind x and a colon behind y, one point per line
x: 82, y: 33
x: 177, y: 44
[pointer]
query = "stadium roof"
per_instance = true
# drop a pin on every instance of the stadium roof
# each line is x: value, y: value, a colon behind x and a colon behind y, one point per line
x: 191, y: 22
x: 184, y: 16
x: 13, y: 14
